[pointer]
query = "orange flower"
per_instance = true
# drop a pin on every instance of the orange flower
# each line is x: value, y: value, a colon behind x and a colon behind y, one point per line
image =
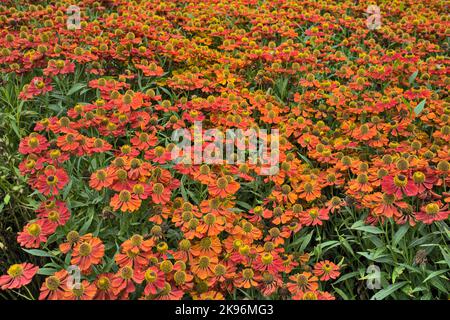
x: 364, y: 132
x: 362, y: 124
x: 135, y: 252
x: 208, y: 246
x: 73, y: 238
x: 204, y: 174
x: 51, y: 181
x: 399, y: 185
x: 123, y: 282
x: 104, y: 287
x: 34, y: 143
x: 360, y: 184
x: 184, y: 251
x: 246, y: 279
x: 211, y: 225
x: 101, y: 179
x: 270, y: 262
x: 384, y: 204
x: 309, y: 191
x: 286, y: 195
x: 154, y: 279
x: 314, y: 216
x: 433, y: 211
x: 168, y: 293
x: 246, y: 231
x: 144, y: 141
x: 138, y: 169
x: 33, y: 234
x: 223, y: 273
x: 69, y: 142
x: 160, y: 194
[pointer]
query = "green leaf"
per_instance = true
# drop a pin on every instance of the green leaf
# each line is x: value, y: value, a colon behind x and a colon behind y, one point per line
x: 376, y: 241
x: 55, y: 107
x: 400, y: 234
x: 418, y: 289
x: 397, y: 272
x: 67, y: 258
x: 437, y: 283
x: 300, y: 239
x: 88, y: 222
x: 329, y: 244
x: 244, y: 205
x: 380, y: 295
x: 341, y: 293
x: 193, y: 196
x: 304, y: 158
x: 15, y: 128
x: 410, y: 268
x: 183, y: 190
x: 420, y: 241
x: 67, y: 189
x: 346, y: 245
x: 306, y: 241
x: 419, y: 108
x: 347, y: 276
